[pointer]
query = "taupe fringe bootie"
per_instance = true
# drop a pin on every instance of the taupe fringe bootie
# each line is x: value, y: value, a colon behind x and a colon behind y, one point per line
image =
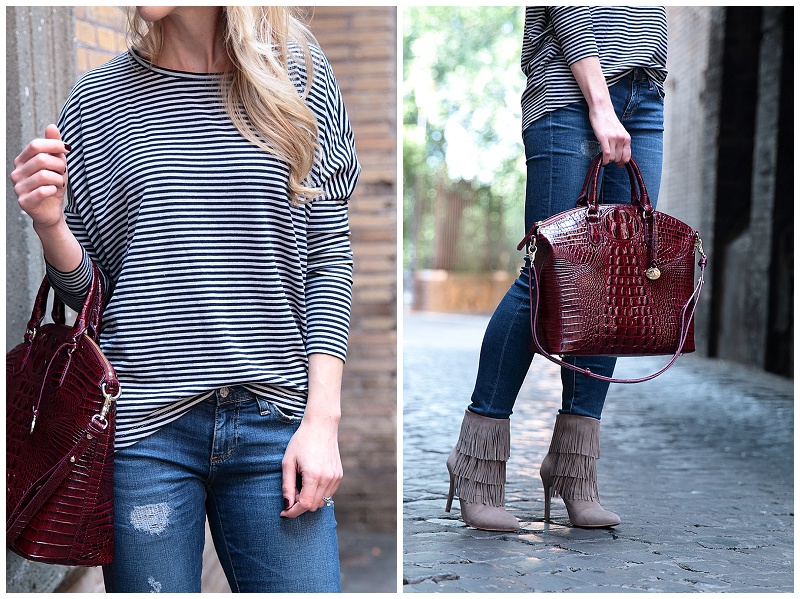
x: 570, y: 470
x: 477, y: 467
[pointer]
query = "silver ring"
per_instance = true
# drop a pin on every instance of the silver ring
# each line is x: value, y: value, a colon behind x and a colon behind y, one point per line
x: 328, y: 501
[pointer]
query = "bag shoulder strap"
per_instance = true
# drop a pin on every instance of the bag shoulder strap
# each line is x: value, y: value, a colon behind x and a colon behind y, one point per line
x: 48, y: 483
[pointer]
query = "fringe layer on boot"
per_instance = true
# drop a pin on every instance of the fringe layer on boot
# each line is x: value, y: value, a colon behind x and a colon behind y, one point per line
x: 575, y: 448
x: 483, y: 447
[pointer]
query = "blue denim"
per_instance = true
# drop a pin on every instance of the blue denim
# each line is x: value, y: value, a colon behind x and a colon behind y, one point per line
x: 222, y: 459
x: 558, y: 149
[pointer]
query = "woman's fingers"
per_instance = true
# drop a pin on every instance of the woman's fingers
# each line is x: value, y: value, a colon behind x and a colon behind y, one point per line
x: 615, y: 141
x: 43, y: 154
x: 36, y: 187
x: 314, y: 489
x: 313, y: 453
x: 40, y: 177
x: 55, y: 147
x: 617, y: 148
x: 39, y: 163
x: 310, y: 498
x: 626, y: 153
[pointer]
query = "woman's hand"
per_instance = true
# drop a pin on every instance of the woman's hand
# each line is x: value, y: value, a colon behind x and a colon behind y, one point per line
x: 312, y: 457
x: 40, y: 182
x: 615, y: 141
x: 312, y: 468
x: 40, y: 179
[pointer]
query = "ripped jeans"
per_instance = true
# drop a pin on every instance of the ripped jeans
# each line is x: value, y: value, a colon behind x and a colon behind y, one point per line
x: 222, y: 459
x: 558, y: 149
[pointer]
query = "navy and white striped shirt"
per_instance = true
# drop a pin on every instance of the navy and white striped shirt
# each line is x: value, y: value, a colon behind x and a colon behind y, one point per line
x: 622, y: 37
x: 214, y: 277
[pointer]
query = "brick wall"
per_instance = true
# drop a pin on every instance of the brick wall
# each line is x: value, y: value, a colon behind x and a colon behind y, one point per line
x: 100, y: 35
x: 360, y: 43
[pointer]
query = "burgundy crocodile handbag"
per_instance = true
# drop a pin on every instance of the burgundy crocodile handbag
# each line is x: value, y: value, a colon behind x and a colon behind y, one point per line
x: 60, y: 421
x: 613, y: 279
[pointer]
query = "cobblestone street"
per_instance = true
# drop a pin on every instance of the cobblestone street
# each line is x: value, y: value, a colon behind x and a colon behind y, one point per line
x: 698, y: 463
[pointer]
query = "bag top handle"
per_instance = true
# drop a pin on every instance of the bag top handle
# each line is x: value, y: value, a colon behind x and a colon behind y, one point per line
x: 88, y: 319
x: 588, y: 195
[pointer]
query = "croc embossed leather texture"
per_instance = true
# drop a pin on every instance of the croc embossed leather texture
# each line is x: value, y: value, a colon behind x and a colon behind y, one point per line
x: 613, y: 279
x: 60, y: 420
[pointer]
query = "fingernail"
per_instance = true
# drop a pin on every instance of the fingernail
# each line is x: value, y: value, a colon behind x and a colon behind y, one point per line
x: 285, y: 503
x: 67, y: 147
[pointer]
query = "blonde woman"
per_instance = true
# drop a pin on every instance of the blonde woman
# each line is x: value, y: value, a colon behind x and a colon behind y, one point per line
x: 206, y: 172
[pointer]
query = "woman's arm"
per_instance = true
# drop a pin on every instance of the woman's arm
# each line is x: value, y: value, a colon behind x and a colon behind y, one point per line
x: 313, y: 451
x: 615, y: 141
x: 573, y: 27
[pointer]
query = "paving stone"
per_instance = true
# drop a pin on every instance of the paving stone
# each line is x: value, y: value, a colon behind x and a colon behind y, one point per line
x: 698, y: 464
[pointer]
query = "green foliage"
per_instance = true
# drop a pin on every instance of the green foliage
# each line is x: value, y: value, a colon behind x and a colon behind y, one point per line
x: 462, y: 85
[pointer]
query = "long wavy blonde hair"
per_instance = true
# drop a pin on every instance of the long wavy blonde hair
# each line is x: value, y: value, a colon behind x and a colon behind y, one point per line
x: 259, y: 96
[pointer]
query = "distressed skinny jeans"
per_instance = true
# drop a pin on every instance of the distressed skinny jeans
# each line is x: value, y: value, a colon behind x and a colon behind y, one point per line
x: 222, y: 459
x: 558, y: 149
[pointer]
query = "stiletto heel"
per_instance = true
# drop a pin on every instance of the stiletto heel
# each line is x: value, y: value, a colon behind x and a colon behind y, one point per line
x: 450, y: 493
x: 547, y: 483
x: 547, y: 504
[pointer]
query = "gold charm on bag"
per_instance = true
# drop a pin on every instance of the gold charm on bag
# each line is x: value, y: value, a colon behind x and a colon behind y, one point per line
x: 652, y: 273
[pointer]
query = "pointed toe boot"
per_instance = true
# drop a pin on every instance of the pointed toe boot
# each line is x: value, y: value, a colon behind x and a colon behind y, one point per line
x: 570, y: 471
x: 477, y: 467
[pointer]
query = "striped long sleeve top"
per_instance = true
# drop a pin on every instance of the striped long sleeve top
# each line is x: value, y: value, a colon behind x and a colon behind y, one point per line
x: 214, y: 277
x: 622, y: 37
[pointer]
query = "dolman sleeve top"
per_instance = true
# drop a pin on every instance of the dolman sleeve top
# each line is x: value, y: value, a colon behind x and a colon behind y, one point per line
x: 213, y: 276
x: 622, y: 37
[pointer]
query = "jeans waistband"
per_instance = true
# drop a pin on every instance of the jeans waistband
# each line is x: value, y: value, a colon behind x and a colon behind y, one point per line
x: 638, y: 74
x: 229, y: 394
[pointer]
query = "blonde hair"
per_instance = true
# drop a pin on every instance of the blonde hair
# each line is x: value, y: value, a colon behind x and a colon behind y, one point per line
x: 259, y: 95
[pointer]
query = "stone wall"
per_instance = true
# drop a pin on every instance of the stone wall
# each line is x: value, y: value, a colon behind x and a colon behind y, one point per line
x: 727, y: 131
x: 691, y: 124
x: 39, y: 75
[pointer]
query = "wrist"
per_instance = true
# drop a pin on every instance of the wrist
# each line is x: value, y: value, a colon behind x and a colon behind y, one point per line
x: 54, y: 230
x: 599, y: 101
x: 327, y: 417
x: 60, y: 247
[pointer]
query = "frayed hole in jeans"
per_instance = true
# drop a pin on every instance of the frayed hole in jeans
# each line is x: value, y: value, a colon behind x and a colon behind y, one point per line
x: 152, y: 519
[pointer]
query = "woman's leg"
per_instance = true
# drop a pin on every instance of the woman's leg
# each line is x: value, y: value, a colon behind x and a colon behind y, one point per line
x: 159, y: 512
x: 570, y: 469
x: 558, y: 149
x: 558, y: 153
x: 259, y: 550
